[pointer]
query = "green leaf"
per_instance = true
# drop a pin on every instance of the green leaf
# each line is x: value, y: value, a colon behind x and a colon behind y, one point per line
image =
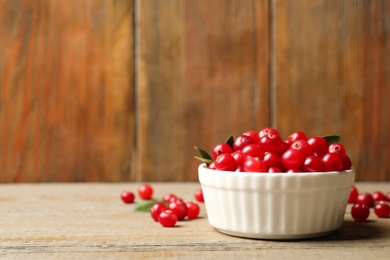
x: 230, y: 141
x: 206, y: 161
x: 331, y: 139
x: 145, y: 205
x: 204, y: 156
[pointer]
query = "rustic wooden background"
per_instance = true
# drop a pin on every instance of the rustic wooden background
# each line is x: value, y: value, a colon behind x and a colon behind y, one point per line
x: 120, y: 90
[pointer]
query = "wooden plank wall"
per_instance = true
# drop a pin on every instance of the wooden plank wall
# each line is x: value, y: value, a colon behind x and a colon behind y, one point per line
x: 119, y: 90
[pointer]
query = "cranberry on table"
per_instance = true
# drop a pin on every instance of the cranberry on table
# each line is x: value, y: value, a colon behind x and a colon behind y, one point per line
x: 360, y: 212
x: 156, y: 210
x: 193, y: 210
x: 145, y: 191
x: 179, y: 208
x: 167, y: 218
x: 169, y: 197
x: 378, y: 196
x: 199, y: 195
x: 382, y: 210
x: 353, y: 194
x: 365, y: 198
x: 127, y: 197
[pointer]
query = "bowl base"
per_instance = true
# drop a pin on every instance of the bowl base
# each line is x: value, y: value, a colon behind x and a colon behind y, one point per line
x: 274, y: 236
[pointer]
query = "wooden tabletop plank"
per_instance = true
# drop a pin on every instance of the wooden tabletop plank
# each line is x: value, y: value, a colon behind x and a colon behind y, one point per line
x: 90, y: 221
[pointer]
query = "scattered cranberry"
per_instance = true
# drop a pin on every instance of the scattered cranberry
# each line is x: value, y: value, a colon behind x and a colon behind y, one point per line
x: 127, y: 197
x: 193, y: 210
x: 169, y: 197
x: 365, y: 198
x: 179, y: 208
x: 156, y: 210
x: 353, y: 194
x: 145, y: 191
x: 360, y: 212
x: 199, y: 195
x: 378, y: 196
x: 382, y: 210
x: 167, y: 218
x: 388, y: 196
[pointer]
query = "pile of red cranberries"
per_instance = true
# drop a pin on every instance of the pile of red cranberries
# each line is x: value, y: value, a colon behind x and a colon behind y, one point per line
x: 267, y: 151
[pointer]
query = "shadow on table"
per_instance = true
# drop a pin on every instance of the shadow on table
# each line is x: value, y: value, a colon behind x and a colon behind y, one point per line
x: 352, y: 230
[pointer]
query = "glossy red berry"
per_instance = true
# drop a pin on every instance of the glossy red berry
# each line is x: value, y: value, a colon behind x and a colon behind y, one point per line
x: 169, y: 197
x: 360, y: 212
x: 239, y: 157
x: 252, y: 150
x: 365, y: 198
x: 253, y: 134
x: 225, y: 162
x: 292, y: 159
x: 347, y: 163
x: 199, y: 195
x: 145, y: 191
x: 253, y: 164
x: 156, y: 210
x: 274, y: 169
x: 332, y: 162
x: 298, y: 135
x: 220, y: 149
x: 337, y: 149
x: 303, y: 146
x: 313, y: 163
x: 242, y: 141
x: 378, y: 196
x: 271, y: 143
x: 319, y: 145
x: 127, y: 197
x: 382, y: 210
x: 193, y: 210
x: 179, y: 208
x: 273, y: 160
x: 353, y: 194
x: 268, y: 130
x: 167, y: 218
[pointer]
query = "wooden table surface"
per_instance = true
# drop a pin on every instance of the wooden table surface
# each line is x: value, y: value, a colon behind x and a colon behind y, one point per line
x: 74, y: 221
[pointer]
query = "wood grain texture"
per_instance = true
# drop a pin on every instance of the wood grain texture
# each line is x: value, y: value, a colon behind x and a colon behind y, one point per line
x: 99, y: 90
x: 67, y: 102
x: 203, y: 76
x: 89, y: 221
x: 331, y: 76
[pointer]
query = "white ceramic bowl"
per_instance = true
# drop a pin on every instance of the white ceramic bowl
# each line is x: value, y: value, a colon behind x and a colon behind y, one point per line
x: 275, y: 205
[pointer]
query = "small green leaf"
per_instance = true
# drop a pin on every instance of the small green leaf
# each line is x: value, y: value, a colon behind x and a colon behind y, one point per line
x: 145, y: 205
x: 230, y: 141
x: 206, y: 161
x: 331, y: 139
x: 204, y: 156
